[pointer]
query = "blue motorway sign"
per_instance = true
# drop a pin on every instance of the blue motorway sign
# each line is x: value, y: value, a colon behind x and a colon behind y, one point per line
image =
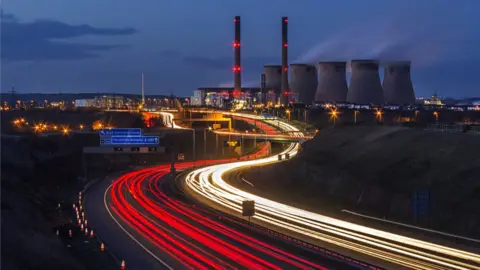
x: 126, y: 140
x: 121, y: 132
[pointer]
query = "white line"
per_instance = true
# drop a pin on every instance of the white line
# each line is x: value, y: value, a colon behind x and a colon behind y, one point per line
x: 243, y: 179
x: 129, y: 234
x: 411, y: 226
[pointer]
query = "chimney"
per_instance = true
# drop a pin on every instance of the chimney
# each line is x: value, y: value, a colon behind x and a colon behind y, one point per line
x: 303, y: 80
x: 332, y: 84
x: 237, y: 67
x: 284, y: 94
x: 397, y: 83
x: 365, y: 85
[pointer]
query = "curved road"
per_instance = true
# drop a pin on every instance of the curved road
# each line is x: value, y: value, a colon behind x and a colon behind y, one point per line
x: 208, y: 185
x: 144, y: 219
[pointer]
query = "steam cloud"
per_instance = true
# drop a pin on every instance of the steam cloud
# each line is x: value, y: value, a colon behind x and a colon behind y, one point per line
x: 419, y: 34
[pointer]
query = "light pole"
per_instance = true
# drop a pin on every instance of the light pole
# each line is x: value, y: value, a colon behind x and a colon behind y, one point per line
x: 436, y: 117
x: 193, y: 144
x: 216, y: 144
x: 378, y: 114
x: 334, y: 114
x: 355, y: 117
x: 305, y: 116
x: 205, y: 141
x: 241, y: 145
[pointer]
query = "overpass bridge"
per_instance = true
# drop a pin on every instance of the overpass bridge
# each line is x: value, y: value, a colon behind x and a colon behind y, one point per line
x: 278, y: 137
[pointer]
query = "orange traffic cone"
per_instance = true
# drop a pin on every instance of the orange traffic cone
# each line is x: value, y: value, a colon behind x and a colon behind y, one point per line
x: 102, y: 247
x: 70, y: 233
x: 86, y: 222
x: 79, y: 222
x: 80, y: 207
x: 81, y: 227
x: 91, y: 233
x: 122, y: 266
x: 86, y: 231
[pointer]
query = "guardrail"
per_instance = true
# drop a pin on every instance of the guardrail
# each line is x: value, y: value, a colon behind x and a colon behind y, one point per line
x: 472, y: 129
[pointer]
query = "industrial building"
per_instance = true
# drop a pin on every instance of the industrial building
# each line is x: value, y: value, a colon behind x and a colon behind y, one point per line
x: 397, y: 83
x: 225, y: 97
x: 365, y: 86
x: 327, y: 83
x: 303, y: 82
x: 332, y: 83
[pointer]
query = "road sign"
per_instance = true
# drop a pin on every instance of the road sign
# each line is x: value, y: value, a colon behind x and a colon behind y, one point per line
x: 128, y: 132
x: 248, y: 208
x: 125, y: 140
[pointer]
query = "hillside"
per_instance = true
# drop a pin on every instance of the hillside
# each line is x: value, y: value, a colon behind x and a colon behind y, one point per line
x: 375, y: 170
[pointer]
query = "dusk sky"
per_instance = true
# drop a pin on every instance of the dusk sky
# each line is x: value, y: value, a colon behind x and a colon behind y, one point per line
x: 104, y: 45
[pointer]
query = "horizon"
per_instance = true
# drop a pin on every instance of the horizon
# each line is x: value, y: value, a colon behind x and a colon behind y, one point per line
x: 74, y: 50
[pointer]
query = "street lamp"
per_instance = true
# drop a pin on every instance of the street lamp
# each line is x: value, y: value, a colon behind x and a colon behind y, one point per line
x: 378, y: 114
x: 334, y: 115
x: 436, y: 117
x: 355, y: 116
x: 288, y: 113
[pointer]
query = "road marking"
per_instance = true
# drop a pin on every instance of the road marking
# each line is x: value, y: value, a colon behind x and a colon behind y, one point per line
x: 243, y: 179
x: 129, y: 234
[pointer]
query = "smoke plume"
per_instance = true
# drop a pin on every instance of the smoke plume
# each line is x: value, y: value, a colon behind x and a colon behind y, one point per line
x: 421, y: 34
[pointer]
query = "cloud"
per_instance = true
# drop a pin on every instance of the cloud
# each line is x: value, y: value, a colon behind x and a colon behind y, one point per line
x: 48, y: 40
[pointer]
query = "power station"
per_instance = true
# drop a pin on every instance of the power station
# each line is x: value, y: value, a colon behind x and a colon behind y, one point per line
x: 397, y: 83
x: 308, y: 83
x: 303, y: 81
x: 332, y: 83
x: 365, y: 86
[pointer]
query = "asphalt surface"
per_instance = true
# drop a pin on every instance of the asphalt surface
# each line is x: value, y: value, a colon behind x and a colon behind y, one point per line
x: 115, y: 239
x: 142, y: 251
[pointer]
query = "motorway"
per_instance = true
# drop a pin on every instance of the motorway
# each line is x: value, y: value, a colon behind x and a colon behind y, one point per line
x: 145, y: 219
x: 402, y: 251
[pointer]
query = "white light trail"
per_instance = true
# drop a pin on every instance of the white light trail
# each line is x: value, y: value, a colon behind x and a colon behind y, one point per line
x: 417, y: 254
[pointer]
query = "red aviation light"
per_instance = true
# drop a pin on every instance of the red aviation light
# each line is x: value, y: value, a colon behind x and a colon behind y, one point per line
x: 286, y: 20
x: 236, y: 69
x: 236, y: 44
x: 285, y: 45
x: 286, y: 93
x: 285, y: 69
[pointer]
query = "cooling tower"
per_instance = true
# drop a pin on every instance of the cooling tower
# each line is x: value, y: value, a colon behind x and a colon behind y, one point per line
x: 397, y: 83
x: 273, y: 78
x: 332, y: 83
x: 303, y: 80
x: 365, y: 85
x: 284, y: 98
x: 237, y: 67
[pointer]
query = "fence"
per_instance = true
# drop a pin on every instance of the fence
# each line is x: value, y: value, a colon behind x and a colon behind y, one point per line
x: 473, y: 129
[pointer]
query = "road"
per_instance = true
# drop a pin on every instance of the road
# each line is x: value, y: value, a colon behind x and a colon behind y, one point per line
x: 402, y: 251
x: 179, y: 235
x: 146, y: 221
